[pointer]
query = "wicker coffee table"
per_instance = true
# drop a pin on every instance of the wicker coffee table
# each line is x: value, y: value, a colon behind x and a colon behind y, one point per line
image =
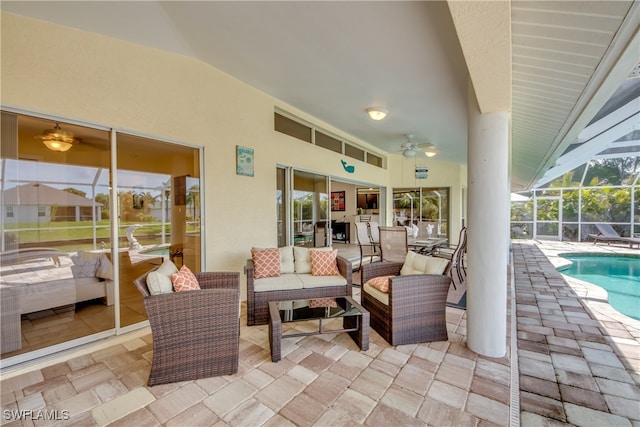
x: 355, y: 320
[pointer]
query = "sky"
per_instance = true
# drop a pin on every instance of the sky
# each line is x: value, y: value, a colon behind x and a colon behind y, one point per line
x: 60, y: 176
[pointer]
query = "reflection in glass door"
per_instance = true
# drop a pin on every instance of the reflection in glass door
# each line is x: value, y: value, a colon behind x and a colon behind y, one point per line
x: 310, y: 203
x: 158, y: 213
x: 62, y: 234
x: 56, y: 275
x: 302, y: 200
x: 282, y: 190
x: 424, y: 208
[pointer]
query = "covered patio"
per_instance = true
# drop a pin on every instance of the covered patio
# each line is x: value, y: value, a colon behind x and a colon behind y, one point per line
x: 572, y: 359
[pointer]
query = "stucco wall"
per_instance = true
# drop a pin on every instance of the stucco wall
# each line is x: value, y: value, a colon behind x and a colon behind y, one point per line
x: 86, y: 77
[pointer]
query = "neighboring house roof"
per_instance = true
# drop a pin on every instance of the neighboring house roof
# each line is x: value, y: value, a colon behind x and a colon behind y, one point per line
x: 43, y: 195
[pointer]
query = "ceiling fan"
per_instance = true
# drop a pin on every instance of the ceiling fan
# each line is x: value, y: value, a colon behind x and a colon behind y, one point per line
x: 413, y: 149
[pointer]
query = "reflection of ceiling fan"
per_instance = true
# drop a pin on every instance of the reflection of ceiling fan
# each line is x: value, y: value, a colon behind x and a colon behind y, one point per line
x: 413, y: 149
x: 62, y: 139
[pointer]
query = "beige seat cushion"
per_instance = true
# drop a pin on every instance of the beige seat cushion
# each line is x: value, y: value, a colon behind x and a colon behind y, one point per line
x: 383, y: 297
x: 311, y: 281
x: 280, y: 283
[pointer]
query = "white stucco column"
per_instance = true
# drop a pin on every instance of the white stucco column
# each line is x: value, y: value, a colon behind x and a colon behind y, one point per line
x: 488, y: 232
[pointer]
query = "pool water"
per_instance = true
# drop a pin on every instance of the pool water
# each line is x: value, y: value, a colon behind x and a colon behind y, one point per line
x: 160, y: 252
x: 618, y: 275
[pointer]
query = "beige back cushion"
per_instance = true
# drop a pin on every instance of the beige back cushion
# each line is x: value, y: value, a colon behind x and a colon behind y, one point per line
x: 422, y: 264
x: 286, y: 260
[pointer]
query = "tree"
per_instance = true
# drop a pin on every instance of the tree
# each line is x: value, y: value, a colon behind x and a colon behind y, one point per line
x: 104, y: 200
x: 618, y: 171
x: 53, y: 213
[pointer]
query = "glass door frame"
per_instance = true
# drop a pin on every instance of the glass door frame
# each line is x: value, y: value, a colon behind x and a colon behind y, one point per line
x: 117, y: 329
x: 288, y: 203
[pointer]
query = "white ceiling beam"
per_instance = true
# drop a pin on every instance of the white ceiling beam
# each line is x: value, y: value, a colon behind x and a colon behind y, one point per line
x: 591, y: 148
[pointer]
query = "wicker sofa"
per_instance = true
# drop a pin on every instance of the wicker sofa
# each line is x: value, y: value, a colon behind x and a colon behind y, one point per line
x: 294, y: 283
x: 414, y: 308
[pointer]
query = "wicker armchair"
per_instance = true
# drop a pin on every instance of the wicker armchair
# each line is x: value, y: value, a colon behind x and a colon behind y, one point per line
x: 416, y: 309
x: 196, y: 334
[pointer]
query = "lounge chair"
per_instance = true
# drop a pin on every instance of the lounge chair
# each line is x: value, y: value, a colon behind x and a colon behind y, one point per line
x: 606, y: 233
x: 19, y: 256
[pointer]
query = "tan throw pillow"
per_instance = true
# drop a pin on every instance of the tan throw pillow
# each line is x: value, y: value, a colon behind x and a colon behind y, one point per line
x: 266, y: 262
x: 185, y: 280
x: 159, y: 281
x: 323, y: 263
x: 381, y: 283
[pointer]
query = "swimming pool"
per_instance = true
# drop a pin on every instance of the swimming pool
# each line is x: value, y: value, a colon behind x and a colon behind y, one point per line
x: 618, y: 275
x: 164, y: 252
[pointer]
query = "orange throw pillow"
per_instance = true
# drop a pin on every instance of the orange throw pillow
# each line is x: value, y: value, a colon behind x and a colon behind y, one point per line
x: 184, y: 280
x: 323, y: 263
x: 266, y: 262
x: 381, y: 283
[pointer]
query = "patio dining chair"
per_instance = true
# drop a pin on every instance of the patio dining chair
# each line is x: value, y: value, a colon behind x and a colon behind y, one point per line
x: 393, y: 243
x: 367, y: 248
x: 374, y: 232
x: 456, y: 255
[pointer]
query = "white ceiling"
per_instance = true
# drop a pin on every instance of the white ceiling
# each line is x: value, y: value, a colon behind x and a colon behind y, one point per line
x: 335, y: 59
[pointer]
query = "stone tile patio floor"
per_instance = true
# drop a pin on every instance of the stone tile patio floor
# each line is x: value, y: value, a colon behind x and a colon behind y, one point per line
x: 578, y: 364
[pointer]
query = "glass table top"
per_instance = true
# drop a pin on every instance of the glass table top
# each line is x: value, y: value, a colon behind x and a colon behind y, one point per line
x: 319, y: 308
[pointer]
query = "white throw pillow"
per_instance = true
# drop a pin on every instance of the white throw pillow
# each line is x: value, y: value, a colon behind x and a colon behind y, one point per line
x: 85, y: 264
x: 302, y: 257
x: 159, y: 281
x: 105, y: 268
x: 422, y: 264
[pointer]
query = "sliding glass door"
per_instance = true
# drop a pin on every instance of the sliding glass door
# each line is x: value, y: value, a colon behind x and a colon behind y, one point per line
x: 57, y: 280
x: 76, y: 230
x: 303, y: 208
x: 158, y: 206
x: 425, y: 208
